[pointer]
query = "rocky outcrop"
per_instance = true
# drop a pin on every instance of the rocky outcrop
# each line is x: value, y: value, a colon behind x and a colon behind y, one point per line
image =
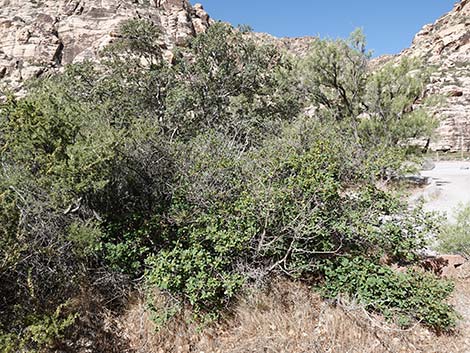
x: 297, y: 46
x: 37, y: 36
x: 445, y: 46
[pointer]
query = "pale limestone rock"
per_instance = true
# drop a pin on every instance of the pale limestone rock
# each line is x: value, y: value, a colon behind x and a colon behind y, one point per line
x: 296, y: 46
x: 445, y: 45
x: 45, y: 35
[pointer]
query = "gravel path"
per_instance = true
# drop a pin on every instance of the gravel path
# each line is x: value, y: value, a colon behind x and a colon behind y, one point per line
x: 449, y: 187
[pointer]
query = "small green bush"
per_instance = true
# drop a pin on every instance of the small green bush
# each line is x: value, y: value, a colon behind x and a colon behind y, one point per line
x: 41, y: 332
x: 200, y: 263
x: 404, y: 297
x: 455, y: 236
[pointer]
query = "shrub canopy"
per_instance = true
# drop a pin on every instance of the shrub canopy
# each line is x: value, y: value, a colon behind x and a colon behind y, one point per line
x: 204, y: 175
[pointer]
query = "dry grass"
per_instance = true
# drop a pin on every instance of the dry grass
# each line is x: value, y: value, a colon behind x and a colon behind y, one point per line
x: 96, y: 329
x: 289, y: 317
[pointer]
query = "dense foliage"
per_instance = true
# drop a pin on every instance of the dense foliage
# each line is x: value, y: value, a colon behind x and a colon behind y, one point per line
x: 454, y: 237
x: 204, y: 175
x: 404, y: 297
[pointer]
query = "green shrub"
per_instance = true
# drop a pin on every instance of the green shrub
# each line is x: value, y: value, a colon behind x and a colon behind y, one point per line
x: 281, y: 209
x: 203, y: 175
x: 212, y: 223
x: 9, y: 343
x: 40, y: 333
x: 455, y: 236
x: 127, y: 243
x: 45, y: 330
x: 404, y: 297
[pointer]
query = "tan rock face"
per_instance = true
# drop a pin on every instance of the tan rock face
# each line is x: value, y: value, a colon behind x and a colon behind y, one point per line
x: 445, y: 45
x: 42, y: 35
x: 297, y: 46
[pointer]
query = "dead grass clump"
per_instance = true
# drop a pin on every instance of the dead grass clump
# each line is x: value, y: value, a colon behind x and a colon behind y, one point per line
x: 96, y: 329
x: 284, y: 317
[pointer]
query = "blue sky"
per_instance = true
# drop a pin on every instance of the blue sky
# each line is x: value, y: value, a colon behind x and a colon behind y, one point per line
x: 389, y: 25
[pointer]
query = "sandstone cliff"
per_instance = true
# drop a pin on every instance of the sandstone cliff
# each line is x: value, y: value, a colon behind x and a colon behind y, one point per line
x: 38, y: 36
x: 41, y: 35
x: 445, y: 45
x: 297, y: 46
